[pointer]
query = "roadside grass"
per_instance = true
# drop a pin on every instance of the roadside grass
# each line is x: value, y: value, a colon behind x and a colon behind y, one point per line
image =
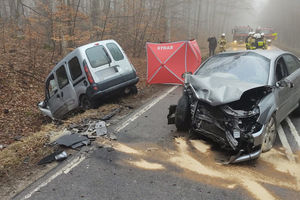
x: 26, y: 152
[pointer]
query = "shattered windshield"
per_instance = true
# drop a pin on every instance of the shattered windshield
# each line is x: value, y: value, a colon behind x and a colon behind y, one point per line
x: 246, y: 66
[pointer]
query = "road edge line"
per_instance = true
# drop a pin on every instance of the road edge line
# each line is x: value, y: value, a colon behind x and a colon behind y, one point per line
x: 144, y: 109
x: 285, y: 144
x: 76, y: 161
x: 293, y: 131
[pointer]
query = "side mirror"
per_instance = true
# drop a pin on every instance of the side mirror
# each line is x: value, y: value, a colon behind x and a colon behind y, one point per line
x: 284, y: 84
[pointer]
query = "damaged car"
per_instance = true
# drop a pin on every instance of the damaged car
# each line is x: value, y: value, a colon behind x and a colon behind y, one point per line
x: 85, y: 76
x: 237, y: 99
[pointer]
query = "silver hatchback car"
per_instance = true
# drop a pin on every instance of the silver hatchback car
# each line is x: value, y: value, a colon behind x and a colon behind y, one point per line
x: 86, y: 74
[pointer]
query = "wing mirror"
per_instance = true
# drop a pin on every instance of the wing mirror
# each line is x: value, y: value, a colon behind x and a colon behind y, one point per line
x: 284, y: 84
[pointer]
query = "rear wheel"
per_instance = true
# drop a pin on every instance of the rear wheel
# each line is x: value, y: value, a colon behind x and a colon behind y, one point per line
x: 85, y: 103
x: 134, y: 90
x: 270, y: 135
x: 182, y: 115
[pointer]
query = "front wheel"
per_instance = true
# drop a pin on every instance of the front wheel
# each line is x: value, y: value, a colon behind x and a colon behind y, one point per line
x: 182, y: 115
x: 270, y: 135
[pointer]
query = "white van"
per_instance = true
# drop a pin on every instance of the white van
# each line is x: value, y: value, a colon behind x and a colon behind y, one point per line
x: 85, y: 75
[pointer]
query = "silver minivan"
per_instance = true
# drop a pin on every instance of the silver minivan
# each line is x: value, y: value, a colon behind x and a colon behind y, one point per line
x: 85, y: 75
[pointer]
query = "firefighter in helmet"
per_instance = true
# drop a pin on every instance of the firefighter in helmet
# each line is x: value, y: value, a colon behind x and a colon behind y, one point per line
x: 265, y: 45
x: 249, y: 40
x: 222, y: 43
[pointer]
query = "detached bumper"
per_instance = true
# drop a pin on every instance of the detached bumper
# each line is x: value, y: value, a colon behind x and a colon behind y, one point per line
x: 99, y: 90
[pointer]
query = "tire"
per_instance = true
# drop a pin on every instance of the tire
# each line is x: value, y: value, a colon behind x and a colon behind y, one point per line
x: 85, y: 103
x: 183, y: 115
x: 270, y: 135
x: 134, y: 90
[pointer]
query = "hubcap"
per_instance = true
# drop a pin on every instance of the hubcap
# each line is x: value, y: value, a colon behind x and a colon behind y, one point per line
x: 270, y: 135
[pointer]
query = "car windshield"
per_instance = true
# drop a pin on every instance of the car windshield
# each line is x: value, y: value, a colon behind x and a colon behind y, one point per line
x: 246, y: 66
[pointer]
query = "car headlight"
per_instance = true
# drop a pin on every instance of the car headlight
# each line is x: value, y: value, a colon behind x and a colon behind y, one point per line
x: 269, y: 40
x: 235, y: 41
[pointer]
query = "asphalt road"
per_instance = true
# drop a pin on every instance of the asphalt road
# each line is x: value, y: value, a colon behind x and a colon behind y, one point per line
x: 151, y: 160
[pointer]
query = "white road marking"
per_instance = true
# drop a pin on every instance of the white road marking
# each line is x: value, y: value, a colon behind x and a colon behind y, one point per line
x: 285, y: 144
x: 78, y: 160
x: 293, y: 131
x: 145, y: 109
x: 64, y: 170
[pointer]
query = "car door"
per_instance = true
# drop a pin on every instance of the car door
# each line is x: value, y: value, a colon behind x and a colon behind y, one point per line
x: 66, y: 93
x: 284, y: 94
x: 52, y: 95
x: 293, y: 66
x: 78, y: 78
x: 121, y: 62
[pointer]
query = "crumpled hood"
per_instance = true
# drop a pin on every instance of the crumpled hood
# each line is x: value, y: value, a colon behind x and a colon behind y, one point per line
x: 219, y: 88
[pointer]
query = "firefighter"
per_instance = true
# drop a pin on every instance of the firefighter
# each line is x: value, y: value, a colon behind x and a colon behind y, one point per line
x: 248, y: 40
x: 213, y: 43
x: 222, y: 43
x: 252, y: 41
x: 265, y: 45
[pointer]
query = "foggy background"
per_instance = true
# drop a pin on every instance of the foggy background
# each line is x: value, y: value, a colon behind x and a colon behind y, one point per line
x: 140, y: 21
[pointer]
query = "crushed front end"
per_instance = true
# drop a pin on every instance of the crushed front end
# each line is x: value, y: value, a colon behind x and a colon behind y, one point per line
x: 234, y: 126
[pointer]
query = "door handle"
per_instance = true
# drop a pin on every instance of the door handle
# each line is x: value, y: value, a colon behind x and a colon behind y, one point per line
x: 62, y: 94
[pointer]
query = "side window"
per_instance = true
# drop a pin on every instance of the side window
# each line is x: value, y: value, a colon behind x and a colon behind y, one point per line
x: 75, y: 68
x: 115, y: 51
x: 51, y: 87
x: 281, y: 71
x: 62, y: 77
x: 97, y: 56
x: 292, y: 63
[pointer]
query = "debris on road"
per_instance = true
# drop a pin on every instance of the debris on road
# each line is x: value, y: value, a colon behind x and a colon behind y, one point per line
x: 171, y: 115
x: 73, y: 140
x: 100, y: 128
x: 110, y: 115
x: 56, y: 156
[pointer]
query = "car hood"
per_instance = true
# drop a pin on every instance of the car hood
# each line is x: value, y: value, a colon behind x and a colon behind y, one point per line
x: 220, y: 88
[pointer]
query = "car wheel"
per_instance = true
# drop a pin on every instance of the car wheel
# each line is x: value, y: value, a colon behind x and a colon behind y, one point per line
x: 269, y: 136
x: 85, y: 103
x: 182, y: 115
x: 134, y: 90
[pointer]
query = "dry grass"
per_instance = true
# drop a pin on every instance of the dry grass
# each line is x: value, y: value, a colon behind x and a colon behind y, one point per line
x: 26, y: 152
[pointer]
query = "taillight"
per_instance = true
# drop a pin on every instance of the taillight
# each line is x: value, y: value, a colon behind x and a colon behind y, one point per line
x: 88, y: 73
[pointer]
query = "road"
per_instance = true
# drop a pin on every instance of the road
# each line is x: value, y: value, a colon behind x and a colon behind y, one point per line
x: 152, y: 160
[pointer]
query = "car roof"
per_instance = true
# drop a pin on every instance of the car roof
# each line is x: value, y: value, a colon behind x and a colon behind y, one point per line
x: 270, y: 54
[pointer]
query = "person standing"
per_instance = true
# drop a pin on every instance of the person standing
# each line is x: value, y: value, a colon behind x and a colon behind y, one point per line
x: 213, y: 43
x: 222, y: 43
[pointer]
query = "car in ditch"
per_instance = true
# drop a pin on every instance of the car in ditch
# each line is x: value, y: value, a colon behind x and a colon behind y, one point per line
x: 238, y: 99
x: 85, y: 76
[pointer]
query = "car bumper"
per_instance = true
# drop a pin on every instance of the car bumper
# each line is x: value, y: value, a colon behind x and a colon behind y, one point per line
x: 258, y: 140
x: 96, y: 91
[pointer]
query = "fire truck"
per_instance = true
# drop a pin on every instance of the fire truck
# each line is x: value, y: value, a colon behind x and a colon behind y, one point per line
x: 240, y: 33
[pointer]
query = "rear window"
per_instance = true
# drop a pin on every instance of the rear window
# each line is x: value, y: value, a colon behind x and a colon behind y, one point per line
x: 97, y: 56
x: 75, y: 68
x: 115, y: 51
